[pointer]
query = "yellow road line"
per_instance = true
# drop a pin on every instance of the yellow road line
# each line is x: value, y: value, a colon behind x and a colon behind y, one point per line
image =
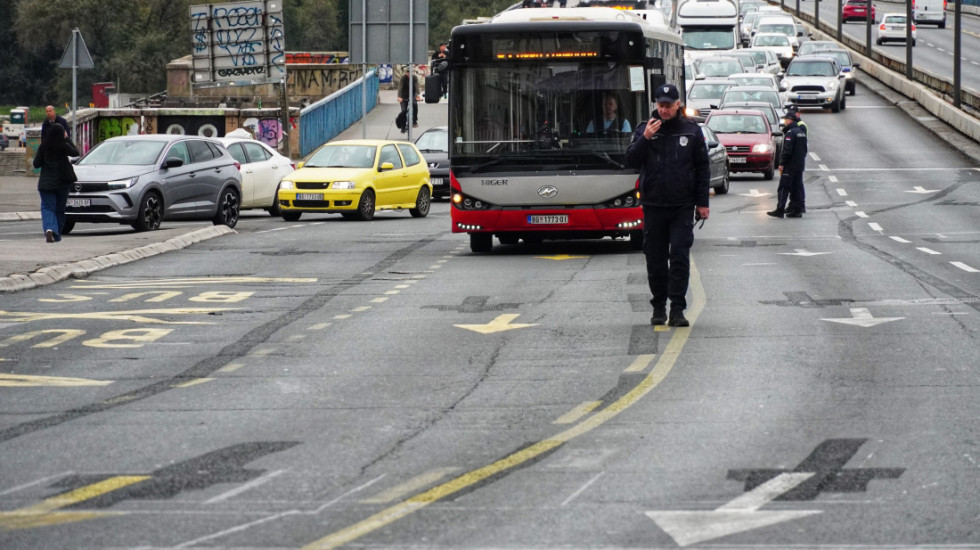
x: 577, y: 413
x: 43, y: 513
x: 24, y: 380
x: 402, y: 509
x: 231, y: 367
x: 409, y: 486
x: 193, y: 382
x: 640, y: 363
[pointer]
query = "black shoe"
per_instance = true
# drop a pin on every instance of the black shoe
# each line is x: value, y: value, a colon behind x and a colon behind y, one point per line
x: 677, y: 319
x: 659, y: 316
x: 777, y: 213
x: 794, y: 214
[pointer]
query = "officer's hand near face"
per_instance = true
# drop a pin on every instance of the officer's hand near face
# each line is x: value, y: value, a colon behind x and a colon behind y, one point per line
x: 652, y: 126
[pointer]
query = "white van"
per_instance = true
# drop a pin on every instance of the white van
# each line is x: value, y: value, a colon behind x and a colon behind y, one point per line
x: 929, y: 11
x: 708, y: 27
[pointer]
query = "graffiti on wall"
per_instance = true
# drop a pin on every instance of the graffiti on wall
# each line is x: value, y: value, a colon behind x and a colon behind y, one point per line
x: 207, y: 126
x: 315, y: 58
x: 116, y: 126
x: 237, y: 39
x: 266, y: 130
x: 319, y: 82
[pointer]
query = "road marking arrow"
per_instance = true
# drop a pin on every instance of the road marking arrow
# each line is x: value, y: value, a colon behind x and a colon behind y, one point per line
x: 861, y: 317
x: 23, y: 380
x: 802, y: 252
x: 560, y: 257
x: 921, y: 190
x: 500, y: 324
x: 738, y: 515
x: 754, y: 193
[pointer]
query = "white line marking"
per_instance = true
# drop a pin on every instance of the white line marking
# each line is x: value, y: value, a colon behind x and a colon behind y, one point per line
x: 392, y: 292
x: 250, y: 485
x: 359, y: 309
x: 379, y: 300
x: 841, y: 192
x: 852, y: 204
x: 582, y: 488
x: 318, y: 326
x: 768, y: 491
x: 824, y: 168
x: 875, y: 226
x: 965, y: 267
x: 833, y: 179
x: 36, y: 482
x: 815, y: 157
x: 928, y: 251
x: 342, y: 316
x: 899, y: 239
x: 860, y: 214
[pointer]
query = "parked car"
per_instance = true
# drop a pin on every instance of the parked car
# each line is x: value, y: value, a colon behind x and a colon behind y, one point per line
x: 777, y: 43
x: 704, y: 93
x: 143, y: 180
x: 717, y: 160
x: 749, y: 139
x: 262, y: 169
x: 355, y: 178
x: 815, y: 81
x: 434, y: 146
x: 856, y: 10
x: 929, y: 11
x: 847, y: 66
x: 892, y: 29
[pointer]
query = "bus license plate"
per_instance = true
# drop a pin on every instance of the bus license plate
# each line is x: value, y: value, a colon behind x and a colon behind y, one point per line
x: 309, y: 197
x: 79, y: 203
x: 736, y: 160
x: 547, y: 220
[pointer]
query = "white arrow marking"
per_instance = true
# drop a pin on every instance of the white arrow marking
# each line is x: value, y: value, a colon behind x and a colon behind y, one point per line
x: 802, y: 252
x: 754, y: 193
x: 741, y: 514
x: 499, y: 324
x: 861, y: 317
x: 921, y: 190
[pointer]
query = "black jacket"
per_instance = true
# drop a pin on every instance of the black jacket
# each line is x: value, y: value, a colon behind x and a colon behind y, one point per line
x: 403, y: 92
x: 53, y: 171
x: 58, y: 119
x: 674, y: 168
x: 794, y: 148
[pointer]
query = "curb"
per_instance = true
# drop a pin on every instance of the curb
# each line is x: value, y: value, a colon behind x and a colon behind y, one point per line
x: 19, y: 216
x: 83, y: 268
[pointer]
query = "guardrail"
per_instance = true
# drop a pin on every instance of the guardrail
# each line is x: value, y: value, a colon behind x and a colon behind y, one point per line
x: 327, y: 118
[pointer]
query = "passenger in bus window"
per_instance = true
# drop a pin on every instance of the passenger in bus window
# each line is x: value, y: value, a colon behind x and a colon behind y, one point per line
x: 611, y: 120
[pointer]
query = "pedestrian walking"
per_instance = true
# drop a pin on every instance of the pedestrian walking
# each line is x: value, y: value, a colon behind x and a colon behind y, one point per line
x: 405, y: 94
x: 440, y: 67
x: 56, y: 177
x: 670, y: 151
x: 792, y: 163
x: 52, y: 117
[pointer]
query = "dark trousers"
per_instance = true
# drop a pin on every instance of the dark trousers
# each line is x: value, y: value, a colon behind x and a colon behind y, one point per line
x: 415, y: 111
x: 668, y: 234
x: 790, y: 188
x: 53, y: 204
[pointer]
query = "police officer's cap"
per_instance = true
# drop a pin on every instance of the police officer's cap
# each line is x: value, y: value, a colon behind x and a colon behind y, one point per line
x: 793, y: 112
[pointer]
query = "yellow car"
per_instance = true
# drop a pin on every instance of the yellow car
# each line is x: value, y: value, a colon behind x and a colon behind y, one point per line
x: 356, y: 177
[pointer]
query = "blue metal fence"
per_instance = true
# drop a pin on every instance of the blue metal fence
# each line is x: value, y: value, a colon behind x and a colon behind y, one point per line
x: 327, y: 118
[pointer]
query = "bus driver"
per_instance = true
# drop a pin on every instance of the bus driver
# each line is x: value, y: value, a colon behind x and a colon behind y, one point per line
x: 611, y: 121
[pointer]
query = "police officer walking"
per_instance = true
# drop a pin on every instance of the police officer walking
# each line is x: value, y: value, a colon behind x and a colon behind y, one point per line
x: 671, y: 154
x: 791, y: 167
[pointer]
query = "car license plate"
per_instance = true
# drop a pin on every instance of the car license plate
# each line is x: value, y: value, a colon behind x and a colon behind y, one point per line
x: 309, y: 197
x: 436, y: 181
x: 79, y: 202
x: 736, y: 160
x: 547, y: 220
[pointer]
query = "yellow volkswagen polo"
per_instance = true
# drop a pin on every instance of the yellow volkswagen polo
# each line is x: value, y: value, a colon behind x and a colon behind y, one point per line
x: 355, y: 178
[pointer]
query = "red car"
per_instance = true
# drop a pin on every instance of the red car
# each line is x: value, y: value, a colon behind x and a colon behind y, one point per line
x: 748, y: 138
x: 856, y: 10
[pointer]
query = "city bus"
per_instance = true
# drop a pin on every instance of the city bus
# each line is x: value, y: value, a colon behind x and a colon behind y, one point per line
x: 530, y: 156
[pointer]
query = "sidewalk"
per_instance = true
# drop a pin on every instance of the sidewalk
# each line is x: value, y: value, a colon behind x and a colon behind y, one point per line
x: 27, y: 261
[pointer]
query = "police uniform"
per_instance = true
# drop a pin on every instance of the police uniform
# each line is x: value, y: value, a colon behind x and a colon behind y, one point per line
x: 674, y: 179
x: 793, y: 163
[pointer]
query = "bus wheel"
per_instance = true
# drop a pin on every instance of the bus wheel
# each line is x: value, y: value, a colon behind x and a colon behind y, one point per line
x: 636, y: 240
x: 481, y: 242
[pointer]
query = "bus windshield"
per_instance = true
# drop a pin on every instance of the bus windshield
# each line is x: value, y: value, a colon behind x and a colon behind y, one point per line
x: 565, y: 114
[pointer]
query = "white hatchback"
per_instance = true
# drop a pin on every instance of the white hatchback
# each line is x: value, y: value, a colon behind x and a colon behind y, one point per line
x: 892, y: 29
x: 262, y: 169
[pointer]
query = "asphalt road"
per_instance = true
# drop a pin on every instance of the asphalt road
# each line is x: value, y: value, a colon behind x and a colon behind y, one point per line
x: 325, y: 382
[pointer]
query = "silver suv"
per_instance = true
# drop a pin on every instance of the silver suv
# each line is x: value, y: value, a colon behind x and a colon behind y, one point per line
x: 145, y: 179
x: 815, y: 81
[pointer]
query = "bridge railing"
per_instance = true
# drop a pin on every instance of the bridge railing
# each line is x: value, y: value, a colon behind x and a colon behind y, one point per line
x: 327, y: 118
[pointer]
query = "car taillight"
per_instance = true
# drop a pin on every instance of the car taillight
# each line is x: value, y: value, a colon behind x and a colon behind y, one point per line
x: 238, y: 165
x: 913, y: 27
x: 882, y: 27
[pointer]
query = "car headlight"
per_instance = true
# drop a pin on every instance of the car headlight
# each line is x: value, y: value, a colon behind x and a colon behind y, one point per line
x: 831, y: 84
x: 690, y: 112
x: 286, y: 184
x: 121, y: 184
x: 342, y: 185
x: 761, y: 148
x: 848, y: 75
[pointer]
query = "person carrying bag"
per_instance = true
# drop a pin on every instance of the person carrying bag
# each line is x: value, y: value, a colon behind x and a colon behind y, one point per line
x: 57, y: 175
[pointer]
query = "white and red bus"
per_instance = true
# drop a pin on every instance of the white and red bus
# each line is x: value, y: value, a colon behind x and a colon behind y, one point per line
x: 531, y: 154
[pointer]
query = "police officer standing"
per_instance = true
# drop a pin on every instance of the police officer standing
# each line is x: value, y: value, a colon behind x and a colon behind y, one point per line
x: 791, y: 167
x: 671, y: 154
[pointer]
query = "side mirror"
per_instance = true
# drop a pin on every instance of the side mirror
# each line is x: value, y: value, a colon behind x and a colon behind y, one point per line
x: 713, y: 106
x: 712, y: 144
x: 856, y: 65
x: 385, y: 166
x: 777, y: 133
x: 173, y: 162
x: 300, y: 164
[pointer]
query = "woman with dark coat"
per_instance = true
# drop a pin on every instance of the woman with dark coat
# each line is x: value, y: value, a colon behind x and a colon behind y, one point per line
x: 56, y: 177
